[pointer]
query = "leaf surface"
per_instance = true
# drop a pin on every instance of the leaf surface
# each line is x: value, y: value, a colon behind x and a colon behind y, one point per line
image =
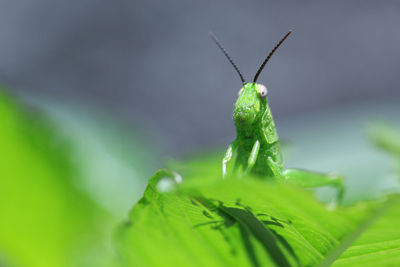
x: 236, y: 222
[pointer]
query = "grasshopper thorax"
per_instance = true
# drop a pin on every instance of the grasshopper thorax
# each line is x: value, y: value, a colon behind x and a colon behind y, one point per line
x: 250, y: 105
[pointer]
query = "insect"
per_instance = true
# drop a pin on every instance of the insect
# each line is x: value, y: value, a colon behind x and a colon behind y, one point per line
x: 257, y: 146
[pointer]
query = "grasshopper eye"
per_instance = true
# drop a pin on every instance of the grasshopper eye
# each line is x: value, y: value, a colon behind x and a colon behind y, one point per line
x: 262, y: 90
x: 240, y: 91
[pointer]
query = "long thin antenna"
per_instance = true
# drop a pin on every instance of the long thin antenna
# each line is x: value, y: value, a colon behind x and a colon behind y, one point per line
x: 227, y: 55
x: 269, y: 56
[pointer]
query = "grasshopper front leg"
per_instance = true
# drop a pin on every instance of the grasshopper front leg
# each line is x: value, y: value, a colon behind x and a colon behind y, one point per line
x: 275, y: 167
x: 253, y: 156
x: 228, y: 156
x: 309, y: 179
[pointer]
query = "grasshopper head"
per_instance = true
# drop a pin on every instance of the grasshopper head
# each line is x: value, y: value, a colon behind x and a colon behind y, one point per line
x: 252, y: 100
x: 249, y: 105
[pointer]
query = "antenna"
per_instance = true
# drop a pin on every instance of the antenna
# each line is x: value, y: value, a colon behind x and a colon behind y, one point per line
x: 227, y: 55
x: 269, y: 56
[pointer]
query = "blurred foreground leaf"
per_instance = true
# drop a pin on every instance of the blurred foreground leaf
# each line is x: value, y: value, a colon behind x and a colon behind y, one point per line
x: 45, y: 220
x: 114, y: 160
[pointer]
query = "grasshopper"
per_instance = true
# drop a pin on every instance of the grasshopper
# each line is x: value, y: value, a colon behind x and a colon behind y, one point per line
x: 257, y: 144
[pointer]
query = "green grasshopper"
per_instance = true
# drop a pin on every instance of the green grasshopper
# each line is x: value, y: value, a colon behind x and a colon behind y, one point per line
x: 257, y: 144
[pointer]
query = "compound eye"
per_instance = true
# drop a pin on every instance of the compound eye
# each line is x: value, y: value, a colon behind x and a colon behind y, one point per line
x: 240, y: 91
x: 262, y: 90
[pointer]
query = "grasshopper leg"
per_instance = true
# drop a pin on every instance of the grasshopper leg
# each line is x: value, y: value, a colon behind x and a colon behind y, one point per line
x: 253, y: 156
x: 275, y: 167
x: 309, y: 179
x: 228, y: 156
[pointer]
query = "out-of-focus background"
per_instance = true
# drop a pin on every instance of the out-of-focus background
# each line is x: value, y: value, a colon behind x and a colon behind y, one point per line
x: 130, y: 84
x: 152, y: 62
x: 151, y: 65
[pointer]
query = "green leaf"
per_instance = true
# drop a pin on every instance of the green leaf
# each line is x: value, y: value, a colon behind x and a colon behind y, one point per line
x: 236, y: 222
x: 385, y: 137
x: 114, y: 161
x: 46, y: 220
x: 379, y: 245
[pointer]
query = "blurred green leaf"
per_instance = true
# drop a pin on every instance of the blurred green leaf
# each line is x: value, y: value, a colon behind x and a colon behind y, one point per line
x: 45, y: 219
x: 385, y: 137
x: 114, y: 161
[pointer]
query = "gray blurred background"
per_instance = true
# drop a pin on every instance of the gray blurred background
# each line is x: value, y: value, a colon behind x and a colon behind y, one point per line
x: 151, y: 63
